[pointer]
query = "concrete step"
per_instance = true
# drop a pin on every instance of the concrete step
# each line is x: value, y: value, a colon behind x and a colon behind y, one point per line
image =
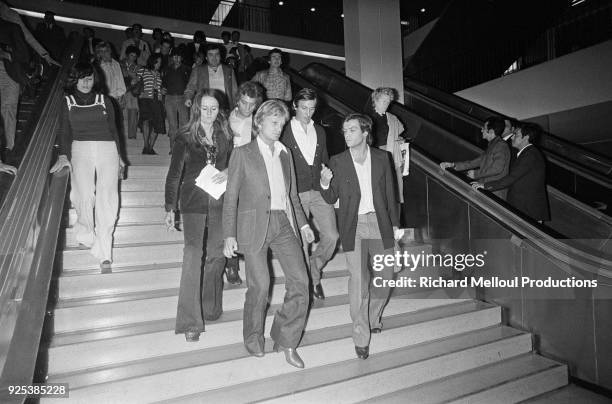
x: 143, y: 184
x: 385, y: 372
x: 509, y: 381
x: 93, y: 284
x: 127, y: 349
x: 244, y: 369
x: 147, y: 171
x: 570, y: 394
x: 142, y: 198
x: 133, y: 255
x: 149, y: 233
x: 160, y: 159
x: 158, y: 306
x: 134, y: 215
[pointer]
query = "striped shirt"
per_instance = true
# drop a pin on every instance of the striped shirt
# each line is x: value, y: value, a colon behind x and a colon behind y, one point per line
x: 151, y: 81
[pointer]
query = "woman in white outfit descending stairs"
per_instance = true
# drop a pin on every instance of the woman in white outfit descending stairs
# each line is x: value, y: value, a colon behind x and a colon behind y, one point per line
x: 205, y: 140
x: 89, y: 144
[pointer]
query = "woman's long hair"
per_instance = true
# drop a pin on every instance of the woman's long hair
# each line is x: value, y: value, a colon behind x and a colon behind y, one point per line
x: 81, y: 70
x: 190, y: 130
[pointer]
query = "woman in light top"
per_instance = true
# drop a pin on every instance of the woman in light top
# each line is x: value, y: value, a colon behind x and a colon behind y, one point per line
x: 205, y: 140
x: 276, y: 82
x: 387, y: 129
x: 89, y: 143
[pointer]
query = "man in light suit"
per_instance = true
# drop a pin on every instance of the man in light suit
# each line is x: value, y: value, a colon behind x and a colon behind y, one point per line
x: 262, y: 211
x: 212, y: 75
x: 362, y: 180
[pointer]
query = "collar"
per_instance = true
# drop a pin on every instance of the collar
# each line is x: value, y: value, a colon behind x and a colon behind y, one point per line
x: 309, y: 125
x: 264, y: 148
x: 214, y: 69
x: 367, y: 155
x: 520, y: 151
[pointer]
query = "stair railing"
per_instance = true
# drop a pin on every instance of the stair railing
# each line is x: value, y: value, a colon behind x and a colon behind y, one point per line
x: 29, y: 224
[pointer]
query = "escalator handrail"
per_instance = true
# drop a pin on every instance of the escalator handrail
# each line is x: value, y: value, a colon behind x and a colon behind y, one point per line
x: 329, y: 71
x: 519, y: 226
x: 590, y: 160
x: 29, y: 224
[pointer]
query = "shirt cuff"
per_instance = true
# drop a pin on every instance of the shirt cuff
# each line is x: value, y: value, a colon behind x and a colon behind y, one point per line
x: 303, y: 227
x: 323, y: 186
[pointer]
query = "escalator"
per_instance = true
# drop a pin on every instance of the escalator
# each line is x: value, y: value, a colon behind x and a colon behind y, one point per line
x: 581, y: 225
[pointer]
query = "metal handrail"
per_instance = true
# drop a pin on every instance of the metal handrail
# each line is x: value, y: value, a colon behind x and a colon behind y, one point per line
x: 29, y: 224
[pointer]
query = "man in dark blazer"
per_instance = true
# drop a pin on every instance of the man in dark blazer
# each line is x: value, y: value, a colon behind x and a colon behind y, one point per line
x: 213, y: 75
x: 308, y: 144
x: 262, y: 211
x: 494, y: 163
x: 526, y: 181
x: 361, y: 179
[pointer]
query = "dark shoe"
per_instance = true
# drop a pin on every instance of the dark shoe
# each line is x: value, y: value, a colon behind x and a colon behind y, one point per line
x: 317, y: 292
x: 291, y: 355
x: 376, y: 330
x: 192, y: 336
x: 233, y: 276
x: 258, y: 354
x: 362, y: 352
x: 105, y: 267
x: 152, y: 152
x: 145, y: 150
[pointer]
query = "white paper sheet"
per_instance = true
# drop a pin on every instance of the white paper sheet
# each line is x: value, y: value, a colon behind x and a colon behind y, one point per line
x: 205, y: 182
x: 405, y: 150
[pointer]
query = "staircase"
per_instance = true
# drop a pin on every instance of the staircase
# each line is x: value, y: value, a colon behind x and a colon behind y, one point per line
x: 114, y: 338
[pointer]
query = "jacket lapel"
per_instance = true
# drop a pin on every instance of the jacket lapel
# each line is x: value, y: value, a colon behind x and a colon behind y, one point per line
x: 284, y: 157
x: 259, y: 164
x: 352, y: 179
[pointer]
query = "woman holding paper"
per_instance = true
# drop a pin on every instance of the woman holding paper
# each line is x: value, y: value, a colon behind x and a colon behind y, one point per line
x: 201, y: 152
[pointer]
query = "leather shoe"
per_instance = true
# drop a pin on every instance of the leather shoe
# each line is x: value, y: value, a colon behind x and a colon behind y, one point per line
x: 291, y: 355
x: 376, y: 330
x: 233, y: 276
x: 257, y: 354
x: 362, y: 352
x: 317, y: 292
x: 192, y: 336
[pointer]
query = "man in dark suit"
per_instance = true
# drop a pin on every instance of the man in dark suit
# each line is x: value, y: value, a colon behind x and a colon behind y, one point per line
x: 262, y: 211
x: 51, y: 35
x: 308, y: 144
x: 361, y: 179
x: 212, y: 75
x: 13, y: 57
x: 526, y: 181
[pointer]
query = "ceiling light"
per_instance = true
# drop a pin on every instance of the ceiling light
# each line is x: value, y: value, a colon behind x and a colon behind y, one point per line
x: 404, y: 22
x: 313, y: 9
x: 342, y: 15
x: 280, y: 3
x: 422, y: 10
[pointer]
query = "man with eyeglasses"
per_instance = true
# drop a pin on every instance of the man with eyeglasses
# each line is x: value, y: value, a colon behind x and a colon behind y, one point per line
x: 494, y: 163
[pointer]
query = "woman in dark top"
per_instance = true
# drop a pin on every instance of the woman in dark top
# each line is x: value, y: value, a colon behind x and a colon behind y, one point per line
x: 89, y: 143
x: 206, y: 139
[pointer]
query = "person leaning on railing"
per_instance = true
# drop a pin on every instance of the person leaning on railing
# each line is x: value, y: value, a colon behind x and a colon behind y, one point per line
x: 89, y: 144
